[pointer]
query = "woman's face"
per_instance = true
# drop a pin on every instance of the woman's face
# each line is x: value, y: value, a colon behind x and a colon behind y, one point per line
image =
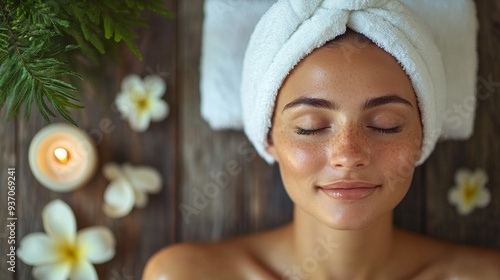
x: 346, y: 134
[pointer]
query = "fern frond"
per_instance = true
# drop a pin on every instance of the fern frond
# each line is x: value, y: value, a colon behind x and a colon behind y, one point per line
x: 38, y: 37
x: 37, y: 79
x: 156, y: 6
x: 4, y: 37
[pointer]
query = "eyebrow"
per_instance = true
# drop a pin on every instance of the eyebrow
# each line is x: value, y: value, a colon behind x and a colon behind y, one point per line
x: 386, y: 99
x: 314, y: 102
x: 368, y: 104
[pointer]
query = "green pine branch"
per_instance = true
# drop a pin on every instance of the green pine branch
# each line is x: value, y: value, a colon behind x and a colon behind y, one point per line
x: 38, y: 37
x: 4, y: 40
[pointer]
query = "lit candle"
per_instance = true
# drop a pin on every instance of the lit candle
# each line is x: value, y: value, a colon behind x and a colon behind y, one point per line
x: 62, y: 157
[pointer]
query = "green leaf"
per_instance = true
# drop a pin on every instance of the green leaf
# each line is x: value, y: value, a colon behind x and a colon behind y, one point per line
x: 38, y: 38
x: 4, y: 37
x: 108, y: 27
x: 133, y: 48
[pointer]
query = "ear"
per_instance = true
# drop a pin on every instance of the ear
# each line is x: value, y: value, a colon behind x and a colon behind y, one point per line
x: 270, y: 148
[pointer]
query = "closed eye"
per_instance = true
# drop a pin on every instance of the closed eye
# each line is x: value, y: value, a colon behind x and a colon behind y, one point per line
x: 301, y: 131
x: 392, y: 130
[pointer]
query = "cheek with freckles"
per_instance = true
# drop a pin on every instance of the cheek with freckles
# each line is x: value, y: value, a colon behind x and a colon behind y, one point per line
x: 397, y: 161
x: 299, y: 162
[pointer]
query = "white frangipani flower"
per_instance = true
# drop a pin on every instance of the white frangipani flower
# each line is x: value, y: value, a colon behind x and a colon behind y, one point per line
x: 140, y: 101
x: 469, y: 191
x: 129, y: 186
x: 63, y: 253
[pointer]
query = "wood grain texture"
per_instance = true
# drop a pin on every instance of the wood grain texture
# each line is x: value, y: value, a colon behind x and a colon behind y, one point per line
x: 215, y: 184
x: 481, y: 227
x: 8, y: 159
x: 226, y: 189
x: 143, y: 231
x: 410, y: 213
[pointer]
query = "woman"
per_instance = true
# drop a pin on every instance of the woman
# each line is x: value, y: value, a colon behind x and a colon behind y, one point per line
x: 346, y: 130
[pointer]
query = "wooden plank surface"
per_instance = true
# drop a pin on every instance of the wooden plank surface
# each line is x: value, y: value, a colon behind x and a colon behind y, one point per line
x: 215, y: 185
x: 143, y: 231
x: 482, y: 227
x: 8, y: 159
x: 227, y: 190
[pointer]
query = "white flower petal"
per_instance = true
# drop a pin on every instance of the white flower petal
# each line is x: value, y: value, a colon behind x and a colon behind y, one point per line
x: 37, y: 249
x: 55, y: 271
x: 480, y: 177
x: 155, y: 85
x: 97, y: 243
x: 139, y: 121
x: 140, y: 101
x: 484, y: 198
x: 464, y: 208
x: 118, y: 199
x: 112, y: 171
x: 123, y: 104
x: 461, y: 176
x: 59, y: 221
x: 115, y: 212
x: 143, y: 178
x: 454, y: 196
x: 159, y: 110
x: 469, y: 185
x: 83, y: 270
x: 131, y: 83
x: 141, y: 199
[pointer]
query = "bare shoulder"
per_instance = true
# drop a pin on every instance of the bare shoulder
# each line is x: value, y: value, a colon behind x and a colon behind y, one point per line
x: 445, y: 260
x: 193, y: 261
x: 467, y: 262
x: 237, y: 258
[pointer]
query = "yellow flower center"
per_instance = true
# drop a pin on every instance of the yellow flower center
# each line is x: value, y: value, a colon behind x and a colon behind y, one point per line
x: 470, y: 192
x: 70, y: 253
x: 143, y: 104
x: 141, y: 100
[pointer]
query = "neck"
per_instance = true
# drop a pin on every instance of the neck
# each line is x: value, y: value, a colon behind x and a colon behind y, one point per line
x: 323, y: 252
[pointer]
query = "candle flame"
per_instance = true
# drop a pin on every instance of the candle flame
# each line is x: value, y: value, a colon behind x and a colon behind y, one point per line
x: 62, y: 155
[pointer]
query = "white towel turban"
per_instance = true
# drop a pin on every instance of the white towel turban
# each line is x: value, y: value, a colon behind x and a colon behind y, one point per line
x: 291, y: 29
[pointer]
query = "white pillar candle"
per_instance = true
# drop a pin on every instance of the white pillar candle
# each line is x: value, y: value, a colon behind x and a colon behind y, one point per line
x: 62, y: 157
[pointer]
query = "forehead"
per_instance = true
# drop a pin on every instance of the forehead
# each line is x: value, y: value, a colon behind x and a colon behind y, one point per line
x: 349, y: 67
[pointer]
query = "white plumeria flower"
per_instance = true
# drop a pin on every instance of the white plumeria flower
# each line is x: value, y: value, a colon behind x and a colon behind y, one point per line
x: 129, y: 186
x: 469, y: 191
x: 63, y: 253
x: 140, y: 101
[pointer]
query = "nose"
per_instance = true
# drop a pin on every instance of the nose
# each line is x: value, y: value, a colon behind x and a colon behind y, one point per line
x: 349, y: 150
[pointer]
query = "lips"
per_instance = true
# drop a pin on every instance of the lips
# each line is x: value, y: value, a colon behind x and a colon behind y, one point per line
x: 349, y: 190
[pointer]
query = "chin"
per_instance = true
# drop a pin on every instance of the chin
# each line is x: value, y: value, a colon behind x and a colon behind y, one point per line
x: 349, y: 226
x: 351, y: 216
x: 349, y: 221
